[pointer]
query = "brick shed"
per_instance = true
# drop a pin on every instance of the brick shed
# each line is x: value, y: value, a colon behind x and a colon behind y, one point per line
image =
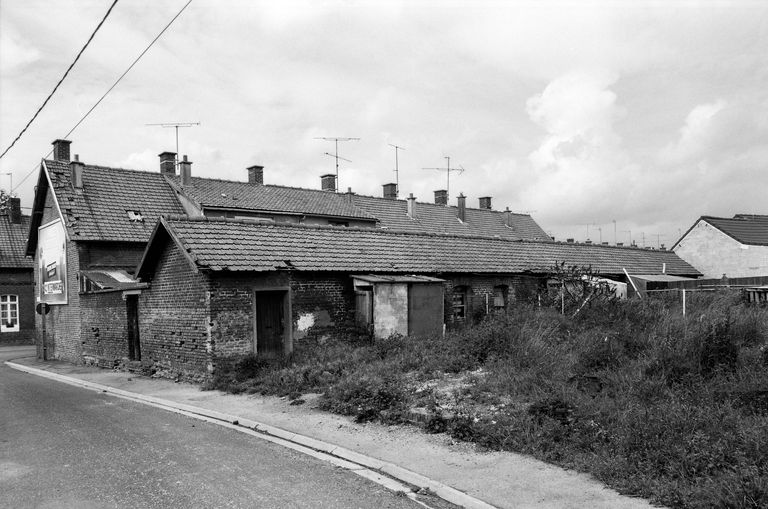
x: 222, y: 288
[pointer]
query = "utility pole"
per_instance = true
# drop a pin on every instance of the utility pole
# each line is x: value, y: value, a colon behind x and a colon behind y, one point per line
x: 600, y: 229
x: 397, y: 168
x: 448, y: 171
x: 176, y: 125
x: 335, y: 155
x: 615, y: 238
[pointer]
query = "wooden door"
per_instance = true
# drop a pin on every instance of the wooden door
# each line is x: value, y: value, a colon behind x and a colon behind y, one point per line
x: 425, y: 309
x: 134, y: 345
x: 270, y: 323
x: 364, y: 308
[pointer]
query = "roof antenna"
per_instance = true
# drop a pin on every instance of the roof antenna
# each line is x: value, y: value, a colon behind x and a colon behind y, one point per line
x: 177, y: 125
x: 448, y: 171
x: 397, y: 168
x: 336, y: 155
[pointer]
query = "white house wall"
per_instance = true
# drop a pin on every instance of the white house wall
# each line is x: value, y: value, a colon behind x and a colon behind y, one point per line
x: 714, y: 253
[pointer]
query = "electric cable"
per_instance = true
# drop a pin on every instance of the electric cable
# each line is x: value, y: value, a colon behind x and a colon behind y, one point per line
x: 60, y: 81
x: 112, y: 87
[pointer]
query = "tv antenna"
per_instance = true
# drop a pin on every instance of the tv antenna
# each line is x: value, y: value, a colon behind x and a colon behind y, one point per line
x: 336, y: 155
x: 448, y: 171
x: 176, y: 125
x: 397, y: 167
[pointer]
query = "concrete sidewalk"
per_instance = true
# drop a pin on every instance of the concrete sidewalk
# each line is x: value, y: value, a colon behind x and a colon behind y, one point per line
x: 498, y: 478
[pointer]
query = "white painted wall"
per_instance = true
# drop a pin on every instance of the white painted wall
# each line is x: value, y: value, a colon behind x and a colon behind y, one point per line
x: 714, y: 253
x: 390, y: 310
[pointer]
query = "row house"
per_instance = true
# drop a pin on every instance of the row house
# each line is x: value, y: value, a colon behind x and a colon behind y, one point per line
x: 177, y: 271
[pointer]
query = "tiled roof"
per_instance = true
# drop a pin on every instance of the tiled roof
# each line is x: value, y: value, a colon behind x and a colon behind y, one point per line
x: 243, y: 195
x: 432, y: 218
x: 13, y: 238
x: 230, y: 245
x: 100, y: 210
x: 747, y: 229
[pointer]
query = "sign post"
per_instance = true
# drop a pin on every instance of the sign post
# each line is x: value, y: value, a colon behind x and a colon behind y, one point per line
x: 42, y: 309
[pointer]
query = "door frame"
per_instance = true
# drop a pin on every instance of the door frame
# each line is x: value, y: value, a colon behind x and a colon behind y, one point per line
x: 287, y: 316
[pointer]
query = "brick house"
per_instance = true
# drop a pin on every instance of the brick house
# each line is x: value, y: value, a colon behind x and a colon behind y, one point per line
x: 246, y: 286
x: 17, y: 301
x: 731, y: 247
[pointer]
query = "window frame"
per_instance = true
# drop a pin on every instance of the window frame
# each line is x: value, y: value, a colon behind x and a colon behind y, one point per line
x: 9, y: 305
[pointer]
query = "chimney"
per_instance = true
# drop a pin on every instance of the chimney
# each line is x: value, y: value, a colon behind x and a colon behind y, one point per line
x: 328, y: 182
x: 350, y: 194
x: 411, y: 206
x: 390, y: 191
x: 185, y: 170
x: 441, y: 197
x: 462, y: 212
x: 168, y: 163
x: 76, y: 173
x: 569, y: 241
x: 485, y: 202
x: 256, y: 175
x: 14, y: 209
x: 61, y: 150
x: 508, y: 217
x: 588, y: 242
x: 620, y: 244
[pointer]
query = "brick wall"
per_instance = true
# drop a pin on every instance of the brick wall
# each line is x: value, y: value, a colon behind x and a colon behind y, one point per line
x: 323, y: 307
x: 20, y: 282
x: 480, y: 293
x: 174, y: 322
x: 104, y: 328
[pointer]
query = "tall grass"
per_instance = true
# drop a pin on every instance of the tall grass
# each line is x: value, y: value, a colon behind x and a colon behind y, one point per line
x: 671, y: 408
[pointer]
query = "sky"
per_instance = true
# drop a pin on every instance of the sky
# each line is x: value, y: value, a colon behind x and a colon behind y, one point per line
x: 606, y: 120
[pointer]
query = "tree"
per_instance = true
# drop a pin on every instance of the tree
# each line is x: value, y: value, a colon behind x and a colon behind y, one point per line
x: 576, y: 287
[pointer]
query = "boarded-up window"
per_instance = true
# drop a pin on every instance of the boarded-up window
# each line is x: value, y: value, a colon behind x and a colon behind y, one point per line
x: 459, y: 303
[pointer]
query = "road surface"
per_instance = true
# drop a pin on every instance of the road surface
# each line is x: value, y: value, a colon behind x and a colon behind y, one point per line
x: 66, y: 447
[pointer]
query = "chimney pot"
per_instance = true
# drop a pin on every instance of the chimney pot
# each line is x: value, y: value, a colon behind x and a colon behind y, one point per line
x: 256, y: 175
x: 462, y: 212
x: 14, y: 210
x: 328, y: 182
x: 441, y: 197
x: 185, y: 170
x: 485, y: 202
x: 61, y: 150
x: 168, y: 163
x: 411, y: 201
x: 76, y: 172
x: 390, y: 191
x: 569, y: 241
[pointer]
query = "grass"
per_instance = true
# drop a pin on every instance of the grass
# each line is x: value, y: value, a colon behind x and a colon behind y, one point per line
x: 670, y: 408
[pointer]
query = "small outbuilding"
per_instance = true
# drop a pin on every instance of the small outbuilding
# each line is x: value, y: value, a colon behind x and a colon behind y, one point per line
x: 408, y: 305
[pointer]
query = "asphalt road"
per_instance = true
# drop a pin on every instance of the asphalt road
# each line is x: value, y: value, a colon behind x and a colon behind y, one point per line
x: 65, y: 447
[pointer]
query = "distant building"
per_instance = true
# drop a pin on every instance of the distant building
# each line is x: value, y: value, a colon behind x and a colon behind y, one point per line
x: 17, y: 301
x: 734, y: 247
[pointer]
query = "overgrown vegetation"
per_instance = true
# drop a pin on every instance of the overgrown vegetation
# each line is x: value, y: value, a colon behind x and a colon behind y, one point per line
x: 671, y: 408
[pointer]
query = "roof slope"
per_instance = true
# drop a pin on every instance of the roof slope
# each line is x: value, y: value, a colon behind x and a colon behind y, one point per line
x: 747, y: 229
x: 231, y: 194
x: 432, y: 218
x: 100, y: 210
x: 231, y: 245
x: 13, y: 238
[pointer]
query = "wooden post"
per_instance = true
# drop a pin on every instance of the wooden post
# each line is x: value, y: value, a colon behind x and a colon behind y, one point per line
x: 683, y: 301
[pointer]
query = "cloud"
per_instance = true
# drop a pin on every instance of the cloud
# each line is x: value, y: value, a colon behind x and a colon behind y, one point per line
x: 15, y: 52
x: 695, y: 134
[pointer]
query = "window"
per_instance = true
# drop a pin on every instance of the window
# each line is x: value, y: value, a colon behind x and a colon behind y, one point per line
x: 500, y: 296
x: 9, y: 313
x: 135, y: 216
x: 459, y: 303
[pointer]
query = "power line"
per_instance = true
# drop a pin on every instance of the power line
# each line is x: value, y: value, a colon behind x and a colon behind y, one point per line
x: 113, y: 85
x: 60, y: 81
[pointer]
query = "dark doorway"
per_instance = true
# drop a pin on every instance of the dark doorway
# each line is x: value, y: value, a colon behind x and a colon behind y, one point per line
x: 270, y: 323
x: 425, y: 309
x: 134, y: 345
